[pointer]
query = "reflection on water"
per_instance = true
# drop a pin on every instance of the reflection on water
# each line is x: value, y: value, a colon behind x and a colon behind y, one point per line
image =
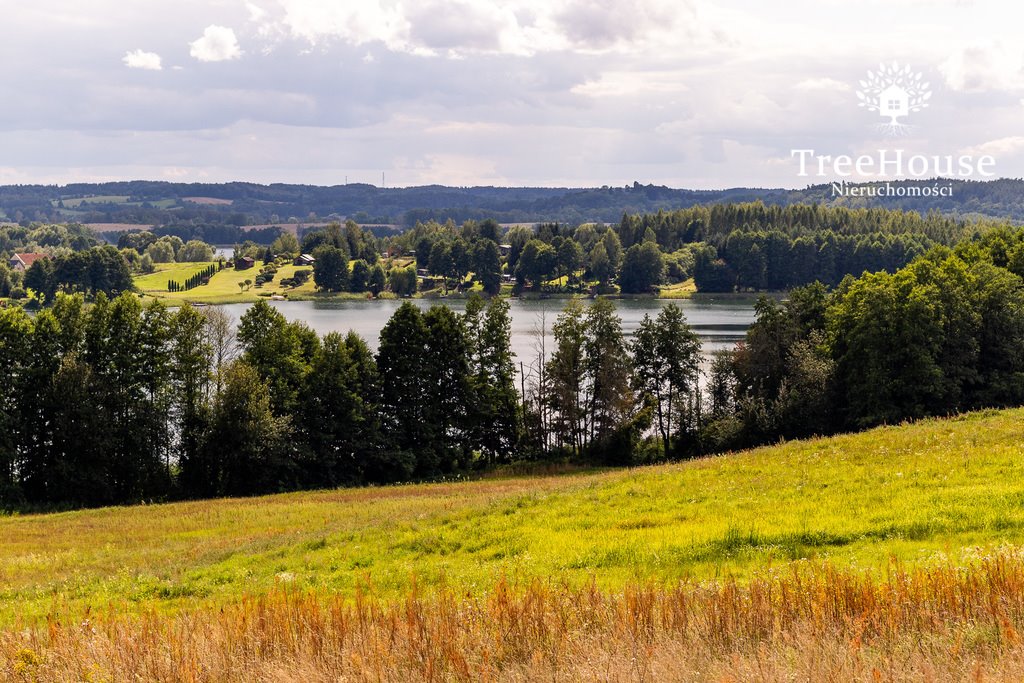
x: 719, y: 321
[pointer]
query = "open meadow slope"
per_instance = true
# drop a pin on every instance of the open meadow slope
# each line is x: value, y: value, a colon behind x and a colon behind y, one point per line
x: 905, y: 540
x: 913, y: 492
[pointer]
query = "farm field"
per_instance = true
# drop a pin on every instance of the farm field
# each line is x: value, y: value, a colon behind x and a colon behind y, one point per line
x: 906, y: 531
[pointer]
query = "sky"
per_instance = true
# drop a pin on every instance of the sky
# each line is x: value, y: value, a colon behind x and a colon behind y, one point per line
x: 567, y: 93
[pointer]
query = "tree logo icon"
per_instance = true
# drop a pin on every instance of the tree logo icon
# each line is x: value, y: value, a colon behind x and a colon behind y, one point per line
x: 894, y: 92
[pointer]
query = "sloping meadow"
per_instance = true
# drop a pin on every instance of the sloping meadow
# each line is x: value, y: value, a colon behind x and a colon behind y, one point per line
x: 889, y: 553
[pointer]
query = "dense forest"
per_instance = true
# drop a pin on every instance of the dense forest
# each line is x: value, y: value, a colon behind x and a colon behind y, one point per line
x: 723, y: 248
x: 746, y: 247
x: 217, y: 210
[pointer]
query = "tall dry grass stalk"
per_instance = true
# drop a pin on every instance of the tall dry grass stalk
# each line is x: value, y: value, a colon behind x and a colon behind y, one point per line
x: 805, y: 622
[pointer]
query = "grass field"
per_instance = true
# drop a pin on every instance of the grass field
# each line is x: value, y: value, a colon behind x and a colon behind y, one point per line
x: 156, y: 282
x: 679, y: 290
x: 223, y: 287
x: 931, y: 490
x: 75, y: 202
x: 848, y: 558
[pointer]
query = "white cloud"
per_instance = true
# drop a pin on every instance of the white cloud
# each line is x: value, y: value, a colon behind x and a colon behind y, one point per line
x: 140, y: 59
x: 591, y: 24
x: 256, y: 13
x: 822, y: 84
x: 633, y: 83
x: 217, y: 44
x: 354, y: 22
x: 517, y: 27
x: 978, y: 68
x: 1001, y: 147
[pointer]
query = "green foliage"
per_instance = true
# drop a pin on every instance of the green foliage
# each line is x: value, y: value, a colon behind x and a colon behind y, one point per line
x: 247, y: 441
x: 278, y: 350
x: 332, y: 419
x: 331, y: 236
x: 195, y: 251
x: 585, y: 400
x: 600, y: 265
x: 666, y: 359
x: 487, y: 266
x: 405, y: 392
x: 286, y: 243
x: 643, y: 268
x: 403, y: 281
x: 493, y: 417
x: 163, y: 250
x: 537, y: 263
x: 98, y: 269
x: 330, y: 270
x: 360, y: 278
x: 377, y: 280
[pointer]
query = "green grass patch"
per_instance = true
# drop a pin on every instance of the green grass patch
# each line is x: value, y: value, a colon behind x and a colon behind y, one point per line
x: 678, y: 290
x: 937, y: 490
x: 223, y: 286
x: 156, y: 282
x: 75, y: 202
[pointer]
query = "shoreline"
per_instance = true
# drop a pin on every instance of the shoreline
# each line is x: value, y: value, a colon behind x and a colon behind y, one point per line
x: 349, y: 297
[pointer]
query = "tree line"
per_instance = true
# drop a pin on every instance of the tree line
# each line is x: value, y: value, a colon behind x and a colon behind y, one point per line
x: 942, y: 335
x: 91, y: 272
x: 115, y: 402
x: 772, y: 261
x: 195, y: 280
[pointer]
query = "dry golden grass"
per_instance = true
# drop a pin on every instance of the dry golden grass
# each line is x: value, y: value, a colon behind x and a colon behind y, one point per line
x: 809, y: 622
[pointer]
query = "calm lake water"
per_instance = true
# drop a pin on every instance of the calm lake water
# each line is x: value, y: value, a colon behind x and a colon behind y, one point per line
x: 720, y: 322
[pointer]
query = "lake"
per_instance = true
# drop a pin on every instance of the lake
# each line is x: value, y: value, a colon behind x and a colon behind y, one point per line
x: 719, y: 321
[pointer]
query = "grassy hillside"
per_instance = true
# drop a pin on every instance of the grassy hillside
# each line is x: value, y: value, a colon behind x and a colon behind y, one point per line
x: 931, y: 490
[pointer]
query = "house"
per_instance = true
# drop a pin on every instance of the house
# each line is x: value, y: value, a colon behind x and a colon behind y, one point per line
x: 23, y: 262
x: 893, y: 102
x: 244, y: 263
x: 505, y: 249
x: 303, y: 260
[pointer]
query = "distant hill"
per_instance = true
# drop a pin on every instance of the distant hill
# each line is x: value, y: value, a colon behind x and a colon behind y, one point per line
x: 162, y: 203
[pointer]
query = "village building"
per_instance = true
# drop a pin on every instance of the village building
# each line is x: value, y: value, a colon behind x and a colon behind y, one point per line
x: 23, y: 262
